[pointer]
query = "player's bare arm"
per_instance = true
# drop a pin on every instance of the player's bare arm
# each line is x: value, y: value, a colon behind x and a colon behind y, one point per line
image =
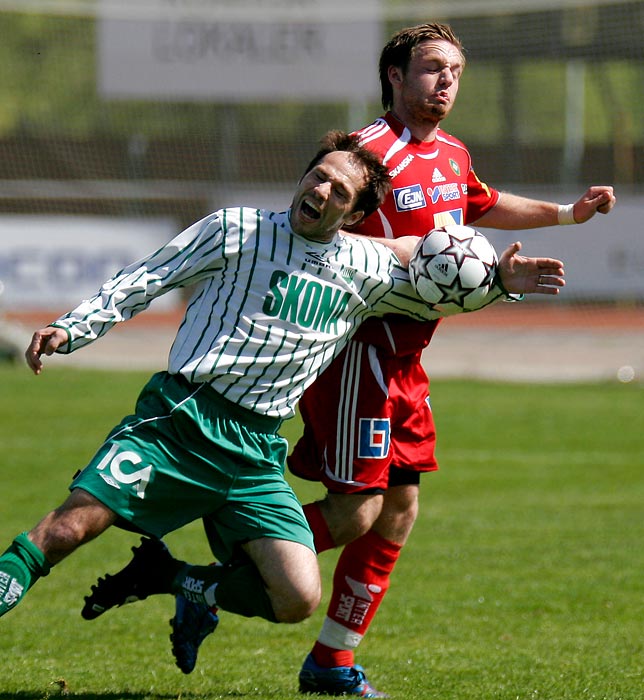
x: 522, y: 275
x: 403, y: 247
x: 515, y: 212
x: 519, y: 274
x: 44, y: 342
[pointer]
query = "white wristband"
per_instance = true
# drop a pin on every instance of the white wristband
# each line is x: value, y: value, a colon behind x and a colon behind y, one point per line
x: 565, y: 214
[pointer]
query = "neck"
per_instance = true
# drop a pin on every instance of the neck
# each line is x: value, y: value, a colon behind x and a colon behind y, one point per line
x: 424, y: 130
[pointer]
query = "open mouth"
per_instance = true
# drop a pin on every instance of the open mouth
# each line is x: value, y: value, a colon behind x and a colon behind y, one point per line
x: 309, y: 211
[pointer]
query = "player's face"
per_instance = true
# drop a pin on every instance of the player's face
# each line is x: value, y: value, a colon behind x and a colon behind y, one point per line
x: 427, y: 90
x: 326, y: 196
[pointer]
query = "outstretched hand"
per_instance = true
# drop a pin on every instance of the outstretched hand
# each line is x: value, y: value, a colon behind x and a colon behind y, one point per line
x: 521, y: 275
x: 44, y: 342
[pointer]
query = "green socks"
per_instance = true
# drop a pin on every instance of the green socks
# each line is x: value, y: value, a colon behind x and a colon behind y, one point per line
x: 20, y: 567
x: 238, y: 589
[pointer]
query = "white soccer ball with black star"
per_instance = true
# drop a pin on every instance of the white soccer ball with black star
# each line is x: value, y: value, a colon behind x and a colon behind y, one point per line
x: 452, y: 268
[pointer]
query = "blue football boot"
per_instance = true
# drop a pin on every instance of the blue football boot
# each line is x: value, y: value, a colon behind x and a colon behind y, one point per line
x: 340, y: 680
x: 191, y: 624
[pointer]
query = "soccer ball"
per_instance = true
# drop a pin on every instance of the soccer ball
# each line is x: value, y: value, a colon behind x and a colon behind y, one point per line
x: 452, y: 268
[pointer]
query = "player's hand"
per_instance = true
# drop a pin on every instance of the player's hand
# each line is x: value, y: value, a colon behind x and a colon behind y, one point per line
x: 44, y: 342
x: 599, y: 198
x: 521, y: 275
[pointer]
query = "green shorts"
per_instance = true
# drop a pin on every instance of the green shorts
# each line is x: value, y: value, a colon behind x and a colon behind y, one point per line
x: 189, y: 453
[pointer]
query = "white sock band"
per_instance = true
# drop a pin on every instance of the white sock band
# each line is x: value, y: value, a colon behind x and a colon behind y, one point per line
x: 209, y: 595
x: 565, y: 214
x: 336, y: 636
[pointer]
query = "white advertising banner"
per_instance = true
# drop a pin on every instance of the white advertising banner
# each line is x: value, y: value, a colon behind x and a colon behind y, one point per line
x: 247, y: 51
x: 54, y: 262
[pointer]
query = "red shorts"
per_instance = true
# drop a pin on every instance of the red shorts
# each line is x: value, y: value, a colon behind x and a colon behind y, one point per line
x: 366, y: 413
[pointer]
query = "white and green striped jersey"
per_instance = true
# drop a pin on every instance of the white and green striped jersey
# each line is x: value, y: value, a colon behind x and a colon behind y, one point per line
x: 269, y: 309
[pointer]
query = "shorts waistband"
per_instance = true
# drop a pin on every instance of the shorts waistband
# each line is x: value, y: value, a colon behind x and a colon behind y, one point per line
x: 257, y: 421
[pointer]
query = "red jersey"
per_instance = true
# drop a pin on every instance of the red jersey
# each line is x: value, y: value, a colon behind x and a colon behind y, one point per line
x: 370, y: 409
x: 433, y: 184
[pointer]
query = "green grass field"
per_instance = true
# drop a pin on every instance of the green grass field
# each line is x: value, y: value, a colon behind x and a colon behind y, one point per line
x: 523, y: 580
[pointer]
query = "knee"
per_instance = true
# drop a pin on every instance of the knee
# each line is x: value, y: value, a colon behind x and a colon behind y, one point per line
x: 289, y: 574
x: 405, y: 511
x: 300, y: 605
x: 399, y: 513
x: 402, y: 502
x: 350, y: 516
x: 299, y: 593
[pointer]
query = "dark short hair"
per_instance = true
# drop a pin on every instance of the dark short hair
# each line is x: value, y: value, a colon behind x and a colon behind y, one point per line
x: 378, y: 182
x: 398, y: 51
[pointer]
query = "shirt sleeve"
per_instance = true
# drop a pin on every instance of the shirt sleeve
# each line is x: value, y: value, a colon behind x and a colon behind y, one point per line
x: 192, y: 255
x: 480, y: 197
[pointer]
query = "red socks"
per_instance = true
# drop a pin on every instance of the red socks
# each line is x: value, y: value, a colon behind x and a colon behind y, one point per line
x: 360, y: 582
x: 321, y: 534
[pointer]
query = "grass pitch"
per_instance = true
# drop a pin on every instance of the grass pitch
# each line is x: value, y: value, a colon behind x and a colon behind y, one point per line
x: 522, y: 580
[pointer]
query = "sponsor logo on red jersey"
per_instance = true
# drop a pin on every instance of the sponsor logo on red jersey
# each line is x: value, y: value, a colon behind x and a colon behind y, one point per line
x: 409, y: 198
x: 448, y: 192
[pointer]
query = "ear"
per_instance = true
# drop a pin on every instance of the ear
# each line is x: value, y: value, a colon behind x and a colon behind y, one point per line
x: 352, y: 219
x: 394, y: 73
